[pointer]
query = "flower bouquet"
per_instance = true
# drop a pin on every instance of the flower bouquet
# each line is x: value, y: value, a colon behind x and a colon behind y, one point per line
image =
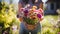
x: 31, y: 16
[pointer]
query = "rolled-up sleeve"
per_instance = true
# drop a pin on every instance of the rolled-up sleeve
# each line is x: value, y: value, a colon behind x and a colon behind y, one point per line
x: 20, y: 1
x: 39, y: 1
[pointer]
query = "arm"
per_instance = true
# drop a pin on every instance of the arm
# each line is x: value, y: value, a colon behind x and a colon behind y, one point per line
x: 40, y: 4
x: 42, y: 13
x: 41, y: 7
x: 19, y: 7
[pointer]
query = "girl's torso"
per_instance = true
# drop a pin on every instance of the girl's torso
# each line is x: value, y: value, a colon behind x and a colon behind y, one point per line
x: 30, y: 3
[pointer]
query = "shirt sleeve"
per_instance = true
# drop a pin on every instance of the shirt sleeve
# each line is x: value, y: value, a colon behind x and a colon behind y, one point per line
x: 39, y: 1
x: 20, y: 1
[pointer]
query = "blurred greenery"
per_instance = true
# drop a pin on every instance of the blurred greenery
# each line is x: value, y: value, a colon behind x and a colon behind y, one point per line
x: 7, y: 15
x: 8, y: 18
x: 49, y: 24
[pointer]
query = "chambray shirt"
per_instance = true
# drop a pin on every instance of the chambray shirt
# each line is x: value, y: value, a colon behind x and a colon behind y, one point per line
x: 30, y: 3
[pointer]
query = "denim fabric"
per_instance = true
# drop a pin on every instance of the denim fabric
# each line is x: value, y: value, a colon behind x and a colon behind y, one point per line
x: 30, y: 2
x: 23, y: 30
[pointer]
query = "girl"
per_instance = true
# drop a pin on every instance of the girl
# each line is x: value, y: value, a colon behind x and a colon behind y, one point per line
x: 30, y: 3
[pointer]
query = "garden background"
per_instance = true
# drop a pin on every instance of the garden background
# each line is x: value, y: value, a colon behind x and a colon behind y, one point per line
x: 9, y: 20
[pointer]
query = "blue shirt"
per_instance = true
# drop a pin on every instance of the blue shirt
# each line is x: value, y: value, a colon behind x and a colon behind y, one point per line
x: 30, y: 3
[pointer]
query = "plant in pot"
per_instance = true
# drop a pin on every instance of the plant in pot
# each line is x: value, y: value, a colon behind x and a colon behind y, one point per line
x: 31, y: 17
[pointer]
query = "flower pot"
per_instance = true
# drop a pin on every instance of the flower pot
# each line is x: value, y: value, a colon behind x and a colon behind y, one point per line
x: 30, y: 27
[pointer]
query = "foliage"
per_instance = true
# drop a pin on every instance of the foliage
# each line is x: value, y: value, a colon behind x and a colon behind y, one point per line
x: 48, y: 26
x: 30, y: 21
x: 7, y: 14
x: 15, y: 22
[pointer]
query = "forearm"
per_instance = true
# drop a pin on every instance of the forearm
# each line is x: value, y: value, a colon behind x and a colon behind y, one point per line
x: 41, y: 5
x: 42, y: 11
x: 18, y: 13
x: 19, y: 6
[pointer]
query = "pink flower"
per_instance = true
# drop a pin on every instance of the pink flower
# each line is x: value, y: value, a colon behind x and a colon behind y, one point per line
x: 39, y: 15
x: 26, y: 11
x: 26, y: 14
x: 36, y: 11
x: 58, y: 32
x: 40, y: 10
x: 22, y: 9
